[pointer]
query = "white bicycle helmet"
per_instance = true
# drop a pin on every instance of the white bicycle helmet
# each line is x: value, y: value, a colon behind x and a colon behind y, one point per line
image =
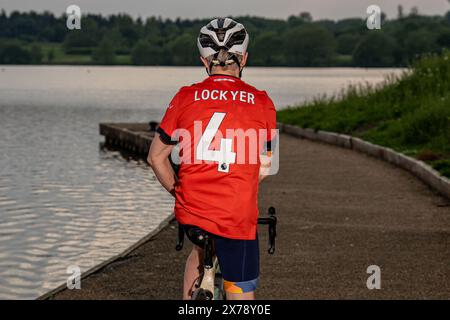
x: 223, y: 33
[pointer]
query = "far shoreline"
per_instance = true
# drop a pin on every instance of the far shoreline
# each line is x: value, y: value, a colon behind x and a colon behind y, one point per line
x: 198, y: 66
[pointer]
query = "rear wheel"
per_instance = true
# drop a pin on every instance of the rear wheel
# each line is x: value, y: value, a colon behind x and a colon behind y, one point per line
x: 202, y: 294
x: 219, y: 292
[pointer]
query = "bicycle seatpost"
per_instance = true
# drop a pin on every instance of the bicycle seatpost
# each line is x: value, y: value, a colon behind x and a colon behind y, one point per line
x: 208, y: 258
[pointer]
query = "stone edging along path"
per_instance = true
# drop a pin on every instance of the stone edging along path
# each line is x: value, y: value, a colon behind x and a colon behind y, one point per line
x: 424, y: 172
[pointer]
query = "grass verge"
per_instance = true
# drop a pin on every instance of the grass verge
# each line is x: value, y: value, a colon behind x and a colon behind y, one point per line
x: 409, y: 113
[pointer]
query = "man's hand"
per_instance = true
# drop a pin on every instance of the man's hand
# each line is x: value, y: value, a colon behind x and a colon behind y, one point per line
x: 266, y: 162
x: 158, y: 159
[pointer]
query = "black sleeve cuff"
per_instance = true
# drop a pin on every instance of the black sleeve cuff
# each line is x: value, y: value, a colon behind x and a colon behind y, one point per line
x: 270, y: 145
x: 165, y: 138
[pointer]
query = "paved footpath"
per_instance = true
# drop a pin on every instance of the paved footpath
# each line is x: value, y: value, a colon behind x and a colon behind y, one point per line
x: 339, y: 212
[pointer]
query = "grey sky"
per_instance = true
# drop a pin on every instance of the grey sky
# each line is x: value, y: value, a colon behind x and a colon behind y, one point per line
x: 334, y: 9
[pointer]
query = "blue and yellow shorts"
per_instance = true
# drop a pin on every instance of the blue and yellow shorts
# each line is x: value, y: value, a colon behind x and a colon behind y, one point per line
x: 238, y: 261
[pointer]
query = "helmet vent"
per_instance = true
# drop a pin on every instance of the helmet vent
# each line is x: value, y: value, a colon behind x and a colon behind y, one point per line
x: 220, y: 35
x: 237, y: 38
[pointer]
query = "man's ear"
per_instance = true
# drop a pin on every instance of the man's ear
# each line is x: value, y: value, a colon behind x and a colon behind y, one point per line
x: 244, y: 60
x: 205, y: 62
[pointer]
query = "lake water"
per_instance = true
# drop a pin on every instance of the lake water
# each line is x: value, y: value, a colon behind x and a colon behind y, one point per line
x: 64, y: 201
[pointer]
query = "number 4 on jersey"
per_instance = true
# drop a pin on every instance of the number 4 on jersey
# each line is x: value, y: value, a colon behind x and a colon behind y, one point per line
x: 224, y: 156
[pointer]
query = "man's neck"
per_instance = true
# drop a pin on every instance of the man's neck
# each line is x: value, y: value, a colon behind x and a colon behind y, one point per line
x: 225, y: 73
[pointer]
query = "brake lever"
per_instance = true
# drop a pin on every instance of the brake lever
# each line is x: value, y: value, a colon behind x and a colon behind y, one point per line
x: 272, y: 230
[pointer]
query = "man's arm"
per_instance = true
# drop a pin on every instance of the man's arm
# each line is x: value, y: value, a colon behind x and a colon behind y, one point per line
x: 158, y: 159
x: 266, y: 156
x: 265, y: 165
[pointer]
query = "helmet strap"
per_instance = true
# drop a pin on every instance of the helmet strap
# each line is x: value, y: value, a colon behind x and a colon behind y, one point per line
x: 211, y: 64
x: 223, y: 64
x: 238, y: 63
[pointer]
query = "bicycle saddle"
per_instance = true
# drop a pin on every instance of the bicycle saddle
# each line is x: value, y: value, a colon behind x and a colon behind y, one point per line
x: 197, y: 235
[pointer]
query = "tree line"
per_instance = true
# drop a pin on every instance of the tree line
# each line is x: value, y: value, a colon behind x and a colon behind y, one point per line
x: 43, y: 38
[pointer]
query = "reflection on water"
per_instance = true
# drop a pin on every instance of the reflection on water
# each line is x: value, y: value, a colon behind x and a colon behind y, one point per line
x: 63, y: 201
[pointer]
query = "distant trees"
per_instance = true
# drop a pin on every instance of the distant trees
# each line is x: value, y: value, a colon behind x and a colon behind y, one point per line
x: 30, y: 37
x: 376, y: 49
x: 146, y: 53
x: 50, y: 56
x: 183, y: 50
x: 104, y: 53
x: 309, y: 45
x: 36, y: 54
x: 347, y: 42
x: 443, y: 39
x: 268, y: 49
x: 82, y: 41
x: 400, y: 12
x: 12, y: 52
x: 418, y: 42
x: 32, y: 26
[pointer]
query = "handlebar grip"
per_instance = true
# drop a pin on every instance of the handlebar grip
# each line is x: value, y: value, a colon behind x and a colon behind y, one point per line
x: 271, y: 211
x: 272, y: 230
x: 272, y: 235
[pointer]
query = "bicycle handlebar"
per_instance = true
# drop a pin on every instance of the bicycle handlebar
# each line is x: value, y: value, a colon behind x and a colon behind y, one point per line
x: 271, y: 220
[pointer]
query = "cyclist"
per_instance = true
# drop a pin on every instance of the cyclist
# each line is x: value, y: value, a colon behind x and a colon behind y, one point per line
x: 215, y: 191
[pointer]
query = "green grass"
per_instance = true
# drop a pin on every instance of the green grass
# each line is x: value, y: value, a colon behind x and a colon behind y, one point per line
x: 60, y: 57
x: 409, y: 113
x: 123, y: 59
x: 343, y: 60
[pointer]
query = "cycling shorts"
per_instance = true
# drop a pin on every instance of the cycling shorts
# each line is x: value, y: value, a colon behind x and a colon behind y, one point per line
x: 238, y: 261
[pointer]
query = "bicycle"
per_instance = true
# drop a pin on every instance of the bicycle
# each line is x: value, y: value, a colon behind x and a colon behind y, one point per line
x: 209, y: 285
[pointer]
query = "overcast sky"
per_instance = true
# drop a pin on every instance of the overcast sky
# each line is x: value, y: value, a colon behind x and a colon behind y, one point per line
x: 334, y: 9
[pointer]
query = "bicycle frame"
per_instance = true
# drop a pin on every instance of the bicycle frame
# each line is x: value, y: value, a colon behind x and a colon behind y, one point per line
x: 206, y: 289
x: 205, y: 286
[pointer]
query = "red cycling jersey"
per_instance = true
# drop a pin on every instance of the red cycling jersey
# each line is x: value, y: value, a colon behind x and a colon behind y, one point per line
x: 217, y: 188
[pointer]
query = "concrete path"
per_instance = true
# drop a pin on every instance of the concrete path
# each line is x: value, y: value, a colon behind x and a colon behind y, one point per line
x: 339, y: 212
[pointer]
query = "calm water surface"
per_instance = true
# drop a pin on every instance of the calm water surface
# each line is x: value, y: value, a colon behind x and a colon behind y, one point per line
x: 64, y: 201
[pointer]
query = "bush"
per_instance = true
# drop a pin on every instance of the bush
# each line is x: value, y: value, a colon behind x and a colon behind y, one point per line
x: 443, y: 166
x: 375, y: 50
x: 309, y: 46
x: 144, y: 53
x: 36, y: 54
x: 184, y: 50
x: 426, y: 124
x: 14, y: 54
x: 104, y: 53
